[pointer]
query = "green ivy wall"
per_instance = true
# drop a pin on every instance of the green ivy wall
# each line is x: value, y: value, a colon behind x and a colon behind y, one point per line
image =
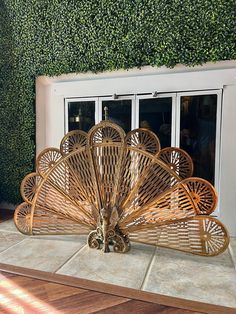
x: 51, y: 37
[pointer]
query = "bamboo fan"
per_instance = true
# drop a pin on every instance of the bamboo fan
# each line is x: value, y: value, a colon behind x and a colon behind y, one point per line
x: 119, y: 188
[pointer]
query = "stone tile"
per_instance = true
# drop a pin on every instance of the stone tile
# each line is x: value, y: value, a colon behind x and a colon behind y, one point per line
x: 8, y: 239
x: 8, y: 226
x: 232, y: 249
x: 205, y: 279
x: 64, y: 238
x: 41, y: 253
x: 126, y: 269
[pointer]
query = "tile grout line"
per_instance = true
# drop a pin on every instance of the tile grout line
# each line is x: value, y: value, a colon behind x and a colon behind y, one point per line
x: 10, y: 231
x: 231, y: 254
x: 148, y: 269
x: 72, y: 256
x: 12, y: 246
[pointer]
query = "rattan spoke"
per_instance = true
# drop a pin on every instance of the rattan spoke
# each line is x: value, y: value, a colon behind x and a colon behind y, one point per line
x: 47, y: 160
x: 202, y: 193
x: 201, y: 235
x: 143, y: 139
x: 170, y: 205
x: 106, y: 133
x: 155, y: 179
x: 29, y: 186
x: 22, y: 218
x: 72, y: 141
x: 178, y: 160
x: 46, y: 222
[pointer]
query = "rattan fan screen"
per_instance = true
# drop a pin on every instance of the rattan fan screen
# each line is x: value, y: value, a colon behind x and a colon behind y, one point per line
x: 121, y: 188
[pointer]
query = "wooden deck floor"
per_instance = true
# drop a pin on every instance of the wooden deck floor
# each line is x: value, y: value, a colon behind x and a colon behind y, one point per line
x: 19, y: 294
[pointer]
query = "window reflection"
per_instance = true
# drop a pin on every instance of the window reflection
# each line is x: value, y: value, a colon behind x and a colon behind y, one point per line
x: 155, y: 114
x: 119, y: 112
x: 198, y: 133
x: 81, y: 115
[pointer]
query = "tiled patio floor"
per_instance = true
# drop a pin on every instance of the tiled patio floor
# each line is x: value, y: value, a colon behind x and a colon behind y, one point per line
x: 158, y: 270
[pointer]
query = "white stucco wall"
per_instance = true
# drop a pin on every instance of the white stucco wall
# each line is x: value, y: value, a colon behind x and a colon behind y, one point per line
x: 228, y: 159
x: 51, y: 92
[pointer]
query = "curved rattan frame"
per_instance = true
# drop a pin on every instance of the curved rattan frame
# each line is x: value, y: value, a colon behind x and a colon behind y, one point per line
x: 120, y: 188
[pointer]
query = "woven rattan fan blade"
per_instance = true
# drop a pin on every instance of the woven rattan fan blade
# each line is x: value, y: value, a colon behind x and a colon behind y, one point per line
x: 68, y: 188
x: 43, y: 221
x: 153, y: 180
x: 106, y: 148
x: 54, y: 199
x: 201, y: 235
x: 188, y: 198
x: 173, y: 204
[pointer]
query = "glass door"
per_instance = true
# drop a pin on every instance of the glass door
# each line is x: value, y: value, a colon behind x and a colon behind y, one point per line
x: 158, y: 115
x: 83, y: 113
x: 119, y: 110
x: 198, y: 131
x: 80, y: 113
x: 189, y: 120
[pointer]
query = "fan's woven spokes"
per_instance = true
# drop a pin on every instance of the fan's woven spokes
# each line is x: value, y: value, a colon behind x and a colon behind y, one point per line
x: 202, y: 235
x: 106, y: 142
x: 107, y: 160
x: 143, y: 139
x: 203, y: 195
x: 22, y: 218
x: 107, y: 133
x: 178, y: 160
x: 173, y: 204
x: 46, y: 222
x: 55, y: 196
x: 134, y: 165
x: 47, y: 160
x: 156, y: 179
x: 81, y: 185
x: 29, y: 186
x: 72, y: 141
x: 52, y: 200
x: 73, y: 179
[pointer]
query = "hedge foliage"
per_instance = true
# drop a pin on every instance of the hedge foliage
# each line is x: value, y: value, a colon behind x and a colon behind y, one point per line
x: 51, y: 37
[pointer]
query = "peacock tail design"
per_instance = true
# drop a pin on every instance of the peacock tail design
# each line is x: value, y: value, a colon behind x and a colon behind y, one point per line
x: 119, y: 188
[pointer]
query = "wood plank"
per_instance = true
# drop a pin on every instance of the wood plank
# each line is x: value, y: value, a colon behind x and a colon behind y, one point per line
x: 118, y: 291
x: 142, y: 307
x: 22, y: 294
x: 27, y: 295
x: 87, y: 302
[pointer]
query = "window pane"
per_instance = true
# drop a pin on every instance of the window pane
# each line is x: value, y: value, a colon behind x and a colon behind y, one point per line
x: 119, y: 111
x: 81, y: 115
x: 198, y: 133
x: 155, y: 114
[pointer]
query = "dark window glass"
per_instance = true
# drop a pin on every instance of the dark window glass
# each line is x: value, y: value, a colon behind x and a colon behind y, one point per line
x: 198, y: 133
x: 81, y: 115
x: 155, y: 114
x: 118, y: 111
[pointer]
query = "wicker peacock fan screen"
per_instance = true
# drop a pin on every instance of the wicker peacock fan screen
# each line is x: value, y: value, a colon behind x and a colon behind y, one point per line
x: 121, y: 188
